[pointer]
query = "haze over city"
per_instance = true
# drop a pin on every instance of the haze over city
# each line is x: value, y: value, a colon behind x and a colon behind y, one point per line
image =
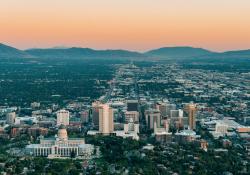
x: 134, y: 25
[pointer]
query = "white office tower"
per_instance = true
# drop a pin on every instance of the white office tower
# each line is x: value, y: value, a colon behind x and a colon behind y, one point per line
x: 162, y: 134
x: 106, y: 123
x: 176, y: 118
x: 10, y: 118
x: 166, y: 125
x: 134, y: 115
x: 176, y: 114
x: 180, y: 113
x: 131, y: 126
x: 164, y: 129
x: 62, y: 117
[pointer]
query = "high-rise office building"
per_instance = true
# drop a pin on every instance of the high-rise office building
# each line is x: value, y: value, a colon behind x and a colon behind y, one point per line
x: 190, y: 111
x: 106, y: 123
x: 153, y: 116
x: 134, y: 115
x: 62, y: 117
x: 132, y: 105
x: 84, y: 116
x: 131, y: 126
x: 162, y: 107
x: 176, y: 118
x: 170, y: 107
x: 95, y: 113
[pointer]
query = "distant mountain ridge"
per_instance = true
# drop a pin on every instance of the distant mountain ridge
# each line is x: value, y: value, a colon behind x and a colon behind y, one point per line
x: 164, y: 53
x: 76, y: 52
x: 11, y: 52
x: 178, y: 52
x: 235, y: 54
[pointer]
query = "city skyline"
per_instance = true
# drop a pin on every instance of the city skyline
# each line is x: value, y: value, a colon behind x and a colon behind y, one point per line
x: 131, y: 25
x: 146, y: 87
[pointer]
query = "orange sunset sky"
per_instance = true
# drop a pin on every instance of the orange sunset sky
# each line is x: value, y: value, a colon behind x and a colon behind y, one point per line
x: 128, y: 24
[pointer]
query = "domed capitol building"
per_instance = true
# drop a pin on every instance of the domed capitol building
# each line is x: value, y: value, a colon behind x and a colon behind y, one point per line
x: 61, y: 146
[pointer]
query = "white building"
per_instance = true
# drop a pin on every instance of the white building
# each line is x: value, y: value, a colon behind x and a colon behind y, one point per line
x: 61, y: 146
x: 62, y: 117
x: 170, y: 107
x: 10, y: 118
x: 221, y: 127
x: 176, y: 118
x: 25, y: 120
x: 35, y: 105
x: 162, y: 134
x: 131, y: 126
x: 134, y: 115
x: 131, y: 129
x: 186, y: 136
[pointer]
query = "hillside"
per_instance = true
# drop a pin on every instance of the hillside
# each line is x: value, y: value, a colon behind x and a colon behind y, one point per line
x: 75, y: 52
x: 178, y: 52
x: 11, y: 52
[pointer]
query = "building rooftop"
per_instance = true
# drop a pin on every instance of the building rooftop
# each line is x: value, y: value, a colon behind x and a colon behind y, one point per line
x: 186, y: 133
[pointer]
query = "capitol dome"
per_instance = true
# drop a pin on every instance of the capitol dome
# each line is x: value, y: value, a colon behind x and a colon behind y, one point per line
x: 62, y: 133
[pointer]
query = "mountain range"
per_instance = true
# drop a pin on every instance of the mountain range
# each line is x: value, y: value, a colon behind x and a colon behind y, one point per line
x: 178, y: 52
x: 9, y: 52
x: 76, y: 52
x: 161, y: 53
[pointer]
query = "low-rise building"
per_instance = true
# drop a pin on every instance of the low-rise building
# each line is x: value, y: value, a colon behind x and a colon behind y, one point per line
x: 60, y: 146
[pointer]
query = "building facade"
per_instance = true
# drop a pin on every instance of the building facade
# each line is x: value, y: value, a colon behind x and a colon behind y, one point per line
x: 134, y: 115
x: 62, y: 117
x: 132, y: 105
x: 153, y: 116
x: 10, y: 118
x: 95, y: 113
x: 106, y: 123
x: 60, y: 146
x: 190, y: 111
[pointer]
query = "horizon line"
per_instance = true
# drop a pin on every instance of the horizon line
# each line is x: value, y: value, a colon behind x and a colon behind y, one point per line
x: 136, y: 50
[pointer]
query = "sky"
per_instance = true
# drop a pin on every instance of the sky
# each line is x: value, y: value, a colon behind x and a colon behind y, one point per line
x: 140, y: 25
